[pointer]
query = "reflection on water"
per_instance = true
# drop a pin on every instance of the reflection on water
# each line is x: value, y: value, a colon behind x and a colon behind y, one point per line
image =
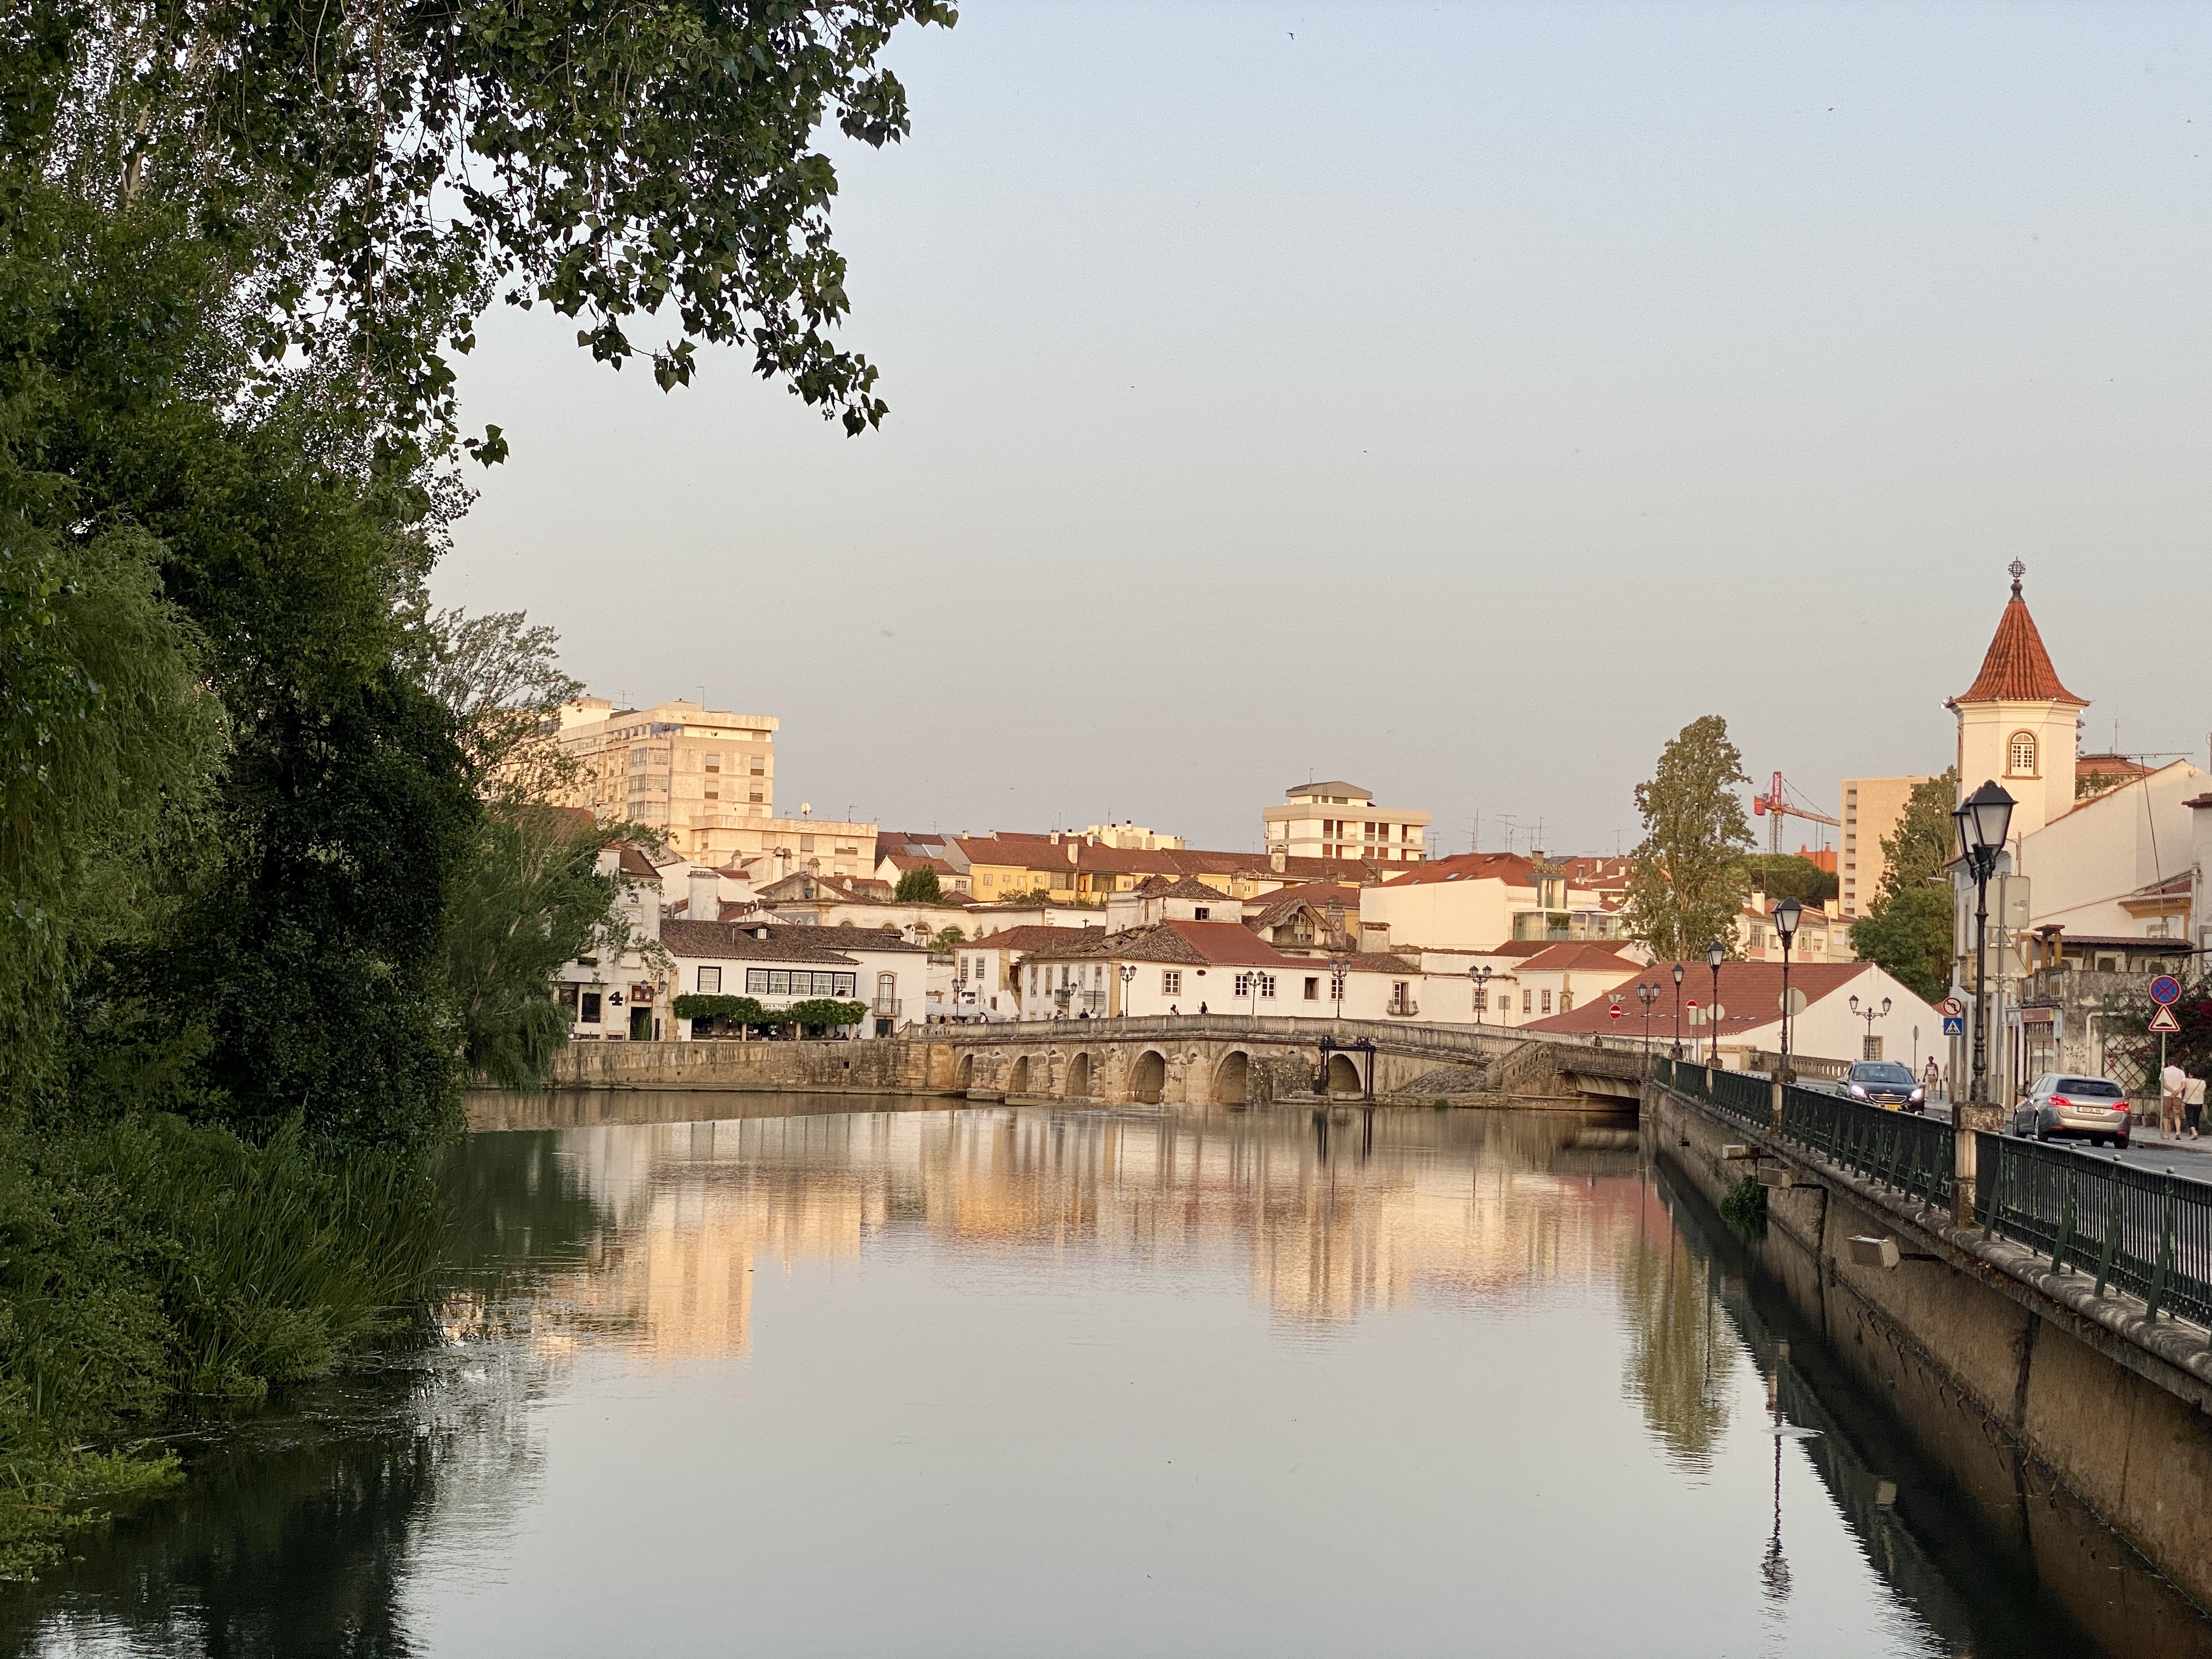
x: 1026, y: 1381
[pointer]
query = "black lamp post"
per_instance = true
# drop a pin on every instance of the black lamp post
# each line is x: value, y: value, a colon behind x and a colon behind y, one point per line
x: 1870, y: 1014
x: 1647, y: 994
x: 1716, y: 954
x: 1675, y: 1053
x: 1985, y: 819
x: 1785, y: 924
x: 1480, y: 977
x: 1339, y: 968
x: 1128, y: 972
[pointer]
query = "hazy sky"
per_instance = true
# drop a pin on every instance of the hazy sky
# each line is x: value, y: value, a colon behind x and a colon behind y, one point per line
x: 1456, y: 398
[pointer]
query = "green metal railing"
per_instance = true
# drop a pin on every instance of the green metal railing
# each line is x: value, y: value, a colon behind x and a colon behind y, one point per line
x: 1902, y: 1150
x: 2142, y: 1231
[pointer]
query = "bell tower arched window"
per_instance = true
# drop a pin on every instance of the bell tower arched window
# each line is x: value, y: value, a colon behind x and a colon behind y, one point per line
x: 2019, y: 755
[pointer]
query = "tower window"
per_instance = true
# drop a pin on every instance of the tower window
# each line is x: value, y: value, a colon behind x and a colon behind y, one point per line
x: 2021, y: 754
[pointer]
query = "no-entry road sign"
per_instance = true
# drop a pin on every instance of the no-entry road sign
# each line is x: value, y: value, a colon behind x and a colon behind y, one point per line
x: 1615, y: 1010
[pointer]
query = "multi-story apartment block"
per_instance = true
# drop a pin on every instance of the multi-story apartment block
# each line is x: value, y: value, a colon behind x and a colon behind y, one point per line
x: 705, y: 779
x: 1339, y: 820
x: 1873, y: 808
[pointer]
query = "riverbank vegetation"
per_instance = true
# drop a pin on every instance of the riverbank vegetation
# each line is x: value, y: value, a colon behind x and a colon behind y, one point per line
x: 274, y: 870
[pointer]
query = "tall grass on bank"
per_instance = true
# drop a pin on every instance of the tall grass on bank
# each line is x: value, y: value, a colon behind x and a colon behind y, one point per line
x: 151, y: 1264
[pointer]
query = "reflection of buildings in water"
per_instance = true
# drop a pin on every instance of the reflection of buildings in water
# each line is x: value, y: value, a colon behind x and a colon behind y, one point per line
x: 1333, y: 1220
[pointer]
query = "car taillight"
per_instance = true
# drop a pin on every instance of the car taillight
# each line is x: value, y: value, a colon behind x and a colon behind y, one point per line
x: 2060, y: 1100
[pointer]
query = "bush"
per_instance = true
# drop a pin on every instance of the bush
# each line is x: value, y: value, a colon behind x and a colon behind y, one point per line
x: 730, y: 1011
x: 819, y: 1012
x: 151, y: 1260
x: 1744, y: 1209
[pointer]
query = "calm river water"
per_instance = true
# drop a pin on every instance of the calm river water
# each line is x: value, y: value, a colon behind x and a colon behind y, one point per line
x: 1035, y: 1382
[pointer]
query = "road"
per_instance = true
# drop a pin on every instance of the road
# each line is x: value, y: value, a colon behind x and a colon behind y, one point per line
x: 2146, y: 1149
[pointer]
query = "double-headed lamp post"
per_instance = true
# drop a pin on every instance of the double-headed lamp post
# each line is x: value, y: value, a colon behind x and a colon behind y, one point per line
x: 1985, y: 819
x: 1871, y: 1013
x: 1480, y: 979
x: 1716, y: 954
x: 1785, y: 924
x: 1675, y: 1053
x: 1647, y: 994
x: 1128, y: 973
x: 1339, y: 969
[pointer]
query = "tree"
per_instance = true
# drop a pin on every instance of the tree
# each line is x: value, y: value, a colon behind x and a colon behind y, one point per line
x: 918, y: 887
x: 947, y: 940
x: 1789, y: 875
x: 1908, y: 929
x: 1689, y: 883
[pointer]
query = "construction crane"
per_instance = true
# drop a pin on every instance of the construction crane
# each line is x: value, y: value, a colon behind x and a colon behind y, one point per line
x: 1775, y: 806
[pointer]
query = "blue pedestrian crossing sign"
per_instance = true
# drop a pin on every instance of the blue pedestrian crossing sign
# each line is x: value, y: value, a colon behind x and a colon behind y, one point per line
x: 1954, y: 1025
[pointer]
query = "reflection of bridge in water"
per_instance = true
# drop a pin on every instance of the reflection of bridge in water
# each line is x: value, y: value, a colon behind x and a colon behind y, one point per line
x: 1227, y: 1060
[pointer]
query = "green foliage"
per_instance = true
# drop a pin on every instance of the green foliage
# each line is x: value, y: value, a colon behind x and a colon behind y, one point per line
x: 1743, y: 1206
x: 2190, y: 1047
x: 1908, y: 929
x: 151, y: 1257
x: 528, y: 900
x: 918, y: 887
x: 821, y: 1013
x: 1788, y: 875
x: 947, y: 940
x: 2093, y: 782
x: 1688, y: 883
x: 727, y: 1011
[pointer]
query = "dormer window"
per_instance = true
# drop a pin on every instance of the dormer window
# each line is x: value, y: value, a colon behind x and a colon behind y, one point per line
x: 2019, y: 755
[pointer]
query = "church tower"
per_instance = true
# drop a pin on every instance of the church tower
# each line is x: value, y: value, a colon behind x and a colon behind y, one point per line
x: 2017, y: 723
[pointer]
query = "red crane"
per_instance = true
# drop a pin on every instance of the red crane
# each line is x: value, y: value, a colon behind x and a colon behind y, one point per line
x: 1776, y: 805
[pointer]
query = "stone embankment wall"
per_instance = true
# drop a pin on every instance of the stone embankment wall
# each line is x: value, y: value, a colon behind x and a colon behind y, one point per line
x: 875, y: 1068
x: 2017, y: 1380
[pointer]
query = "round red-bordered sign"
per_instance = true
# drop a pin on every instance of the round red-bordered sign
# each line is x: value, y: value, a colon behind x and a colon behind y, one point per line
x: 2165, y: 990
x: 1615, y: 1010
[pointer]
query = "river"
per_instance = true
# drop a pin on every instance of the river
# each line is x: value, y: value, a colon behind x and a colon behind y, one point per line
x: 804, y: 1380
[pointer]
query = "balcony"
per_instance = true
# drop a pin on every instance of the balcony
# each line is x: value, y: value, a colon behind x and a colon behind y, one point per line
x: 1402, y: 1008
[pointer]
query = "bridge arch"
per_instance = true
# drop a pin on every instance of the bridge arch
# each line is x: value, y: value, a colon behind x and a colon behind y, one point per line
x: 963, y: 1075
x: 1018, y: 1080
x: 1232, y: 1080
x: 1078, y: 1078
x: 1148, y: 1077
x: 1343, y: 1076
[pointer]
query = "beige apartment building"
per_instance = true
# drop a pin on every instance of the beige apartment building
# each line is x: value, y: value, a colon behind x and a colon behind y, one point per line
x: 1339, y: 820
x: 705, y: 779
x: 1873, y: 808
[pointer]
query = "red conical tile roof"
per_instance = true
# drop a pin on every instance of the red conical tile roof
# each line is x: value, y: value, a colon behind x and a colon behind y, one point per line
x: 2017, y: 668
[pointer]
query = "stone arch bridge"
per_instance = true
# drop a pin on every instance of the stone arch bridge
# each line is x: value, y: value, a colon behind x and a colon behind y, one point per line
x: 1223, y: 1060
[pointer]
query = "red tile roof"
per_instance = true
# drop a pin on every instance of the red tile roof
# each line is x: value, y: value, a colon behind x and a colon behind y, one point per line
x: 1750, y: 991
x: 1509, y: 867
x: 1579, y: 958
x: 2017, y: 668
x: 1033, y: 937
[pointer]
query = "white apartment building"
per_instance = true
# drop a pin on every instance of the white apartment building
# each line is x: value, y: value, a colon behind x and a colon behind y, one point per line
x: 1339, y: 820
x: 700, y: 776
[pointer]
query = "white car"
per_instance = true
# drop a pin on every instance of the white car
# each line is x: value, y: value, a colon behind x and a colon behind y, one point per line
x: 2061, y: 1107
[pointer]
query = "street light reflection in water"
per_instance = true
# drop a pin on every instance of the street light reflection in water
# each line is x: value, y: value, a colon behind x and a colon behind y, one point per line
x: 1021, y: 1380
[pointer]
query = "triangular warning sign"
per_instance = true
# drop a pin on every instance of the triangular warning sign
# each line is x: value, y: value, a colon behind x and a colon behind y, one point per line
x: 2163, y: 1020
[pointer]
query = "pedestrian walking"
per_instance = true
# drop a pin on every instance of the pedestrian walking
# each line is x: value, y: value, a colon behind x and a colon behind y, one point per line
x: 2192, y: 1106
x: 1929, y: 1081
x: 2173, y: 1087
x: 1201, y: 1007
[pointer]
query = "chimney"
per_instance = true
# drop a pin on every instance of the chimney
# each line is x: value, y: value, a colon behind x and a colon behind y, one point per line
x: 1056, y: 838
x: 1278, y: 861
x: 704, y: 900
x: 1073, y: 847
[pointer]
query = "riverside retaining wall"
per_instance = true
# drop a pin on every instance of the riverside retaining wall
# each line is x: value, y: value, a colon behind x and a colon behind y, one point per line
x: 2031, y: 1391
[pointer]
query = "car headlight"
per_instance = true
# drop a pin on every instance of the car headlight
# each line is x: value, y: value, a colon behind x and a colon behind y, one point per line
x: 1858, y: 1091
x: 1917, y: 1094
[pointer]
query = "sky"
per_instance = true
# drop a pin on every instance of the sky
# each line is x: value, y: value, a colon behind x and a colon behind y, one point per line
x: 1456, y: 399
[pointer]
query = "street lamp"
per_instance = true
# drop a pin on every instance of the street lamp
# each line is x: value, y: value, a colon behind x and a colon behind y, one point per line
x: 1480, y: 976
x: 1785, y: 924
x: 1128, y: 972
x: 1339, y: 969
x: 1985, y: 819
x: 1647, y: 994
x: 1675, y: 1053
x: 1715, y: 953
x: 1870, y: 1014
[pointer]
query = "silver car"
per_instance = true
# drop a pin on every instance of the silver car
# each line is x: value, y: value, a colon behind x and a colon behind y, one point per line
x: 2057, y: 1107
